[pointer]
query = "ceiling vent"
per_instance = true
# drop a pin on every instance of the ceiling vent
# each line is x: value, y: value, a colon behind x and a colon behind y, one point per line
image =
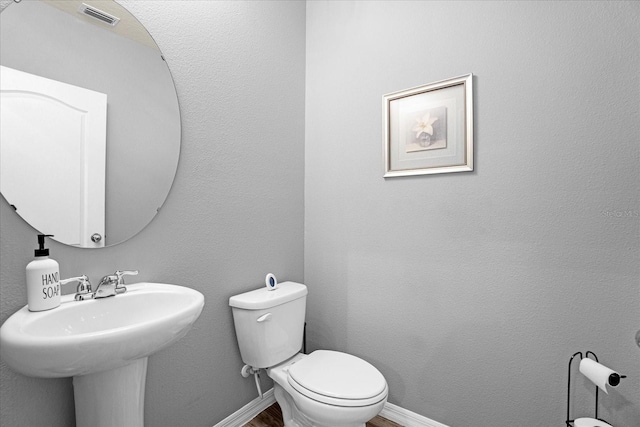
x: 95, y: 13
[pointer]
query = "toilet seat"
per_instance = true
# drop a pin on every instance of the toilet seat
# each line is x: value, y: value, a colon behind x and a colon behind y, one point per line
x: 337, y: 379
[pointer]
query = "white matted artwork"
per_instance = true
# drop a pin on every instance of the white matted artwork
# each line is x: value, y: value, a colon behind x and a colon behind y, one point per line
x: 429, y: 129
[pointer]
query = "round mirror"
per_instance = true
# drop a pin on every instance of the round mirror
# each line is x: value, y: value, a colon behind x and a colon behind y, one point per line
x: 90, y: 120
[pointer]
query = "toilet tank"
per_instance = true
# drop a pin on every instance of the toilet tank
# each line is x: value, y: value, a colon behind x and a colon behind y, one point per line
x: 269, y: 323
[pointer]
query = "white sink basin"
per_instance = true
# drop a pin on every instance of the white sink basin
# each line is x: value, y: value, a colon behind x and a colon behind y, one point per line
x: 85, y: 337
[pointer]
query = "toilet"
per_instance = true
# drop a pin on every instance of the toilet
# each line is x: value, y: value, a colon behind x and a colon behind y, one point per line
x: 321, y: 389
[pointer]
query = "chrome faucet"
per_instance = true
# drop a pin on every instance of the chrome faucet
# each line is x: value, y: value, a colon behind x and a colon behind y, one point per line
x: 113, y: 284
x: 83, y: 290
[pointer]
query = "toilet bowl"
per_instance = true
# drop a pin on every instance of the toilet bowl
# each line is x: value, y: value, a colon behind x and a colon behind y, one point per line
x: 322, y: 389
x: 328, y: 389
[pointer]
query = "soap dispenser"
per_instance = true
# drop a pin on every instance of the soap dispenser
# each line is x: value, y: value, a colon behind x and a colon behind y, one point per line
x: 43, y: 279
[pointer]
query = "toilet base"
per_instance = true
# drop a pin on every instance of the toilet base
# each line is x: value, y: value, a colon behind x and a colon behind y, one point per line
x: 292, y: 416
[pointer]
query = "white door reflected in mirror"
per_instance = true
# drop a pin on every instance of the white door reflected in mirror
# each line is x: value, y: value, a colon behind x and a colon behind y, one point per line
x: 52, y: 159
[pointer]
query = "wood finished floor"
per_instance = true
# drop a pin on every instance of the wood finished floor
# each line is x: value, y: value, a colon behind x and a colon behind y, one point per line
x: 272, y: 417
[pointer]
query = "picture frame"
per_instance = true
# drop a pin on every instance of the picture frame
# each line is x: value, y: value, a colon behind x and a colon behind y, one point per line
x: 429, y: 129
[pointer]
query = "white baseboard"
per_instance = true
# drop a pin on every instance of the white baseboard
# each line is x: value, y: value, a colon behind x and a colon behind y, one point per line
x: 390, y: 411
x: 248, y: 411
x: 407, y: 418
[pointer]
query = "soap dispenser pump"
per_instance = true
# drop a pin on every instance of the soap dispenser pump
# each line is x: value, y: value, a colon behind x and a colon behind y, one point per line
x: 43, y: 279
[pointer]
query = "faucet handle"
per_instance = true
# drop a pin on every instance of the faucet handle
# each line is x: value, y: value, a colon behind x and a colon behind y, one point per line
x: 83, y: 288
x: 74, y: 279
x: 83, y: 283
x: 121, y: 273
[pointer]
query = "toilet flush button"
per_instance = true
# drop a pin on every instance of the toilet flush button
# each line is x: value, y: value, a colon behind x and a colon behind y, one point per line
x: 264, y: 318
x: 271, y: 282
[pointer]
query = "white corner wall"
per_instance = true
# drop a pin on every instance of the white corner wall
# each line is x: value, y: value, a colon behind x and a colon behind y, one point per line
x: 470, y: 291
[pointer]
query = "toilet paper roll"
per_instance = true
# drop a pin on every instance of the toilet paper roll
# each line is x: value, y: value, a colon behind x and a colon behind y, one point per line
x: 599, y: 374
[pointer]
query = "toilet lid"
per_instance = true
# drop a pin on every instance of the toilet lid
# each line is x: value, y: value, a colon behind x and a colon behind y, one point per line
x: 337, y: 375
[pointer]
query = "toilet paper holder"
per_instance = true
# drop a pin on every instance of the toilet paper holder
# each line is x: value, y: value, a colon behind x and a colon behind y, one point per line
x: 569, y: 421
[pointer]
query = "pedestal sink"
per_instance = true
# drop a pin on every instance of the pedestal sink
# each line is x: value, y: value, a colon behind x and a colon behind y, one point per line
x: 103, y: 344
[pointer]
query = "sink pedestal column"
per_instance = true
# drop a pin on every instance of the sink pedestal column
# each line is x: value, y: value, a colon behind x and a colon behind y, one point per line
x: 111, y: 398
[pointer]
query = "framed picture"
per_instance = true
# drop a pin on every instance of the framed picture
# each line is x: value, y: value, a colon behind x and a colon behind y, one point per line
x: 429, y: 129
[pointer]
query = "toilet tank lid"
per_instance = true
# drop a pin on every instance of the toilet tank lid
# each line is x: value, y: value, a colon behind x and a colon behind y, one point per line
x: 264, y: 298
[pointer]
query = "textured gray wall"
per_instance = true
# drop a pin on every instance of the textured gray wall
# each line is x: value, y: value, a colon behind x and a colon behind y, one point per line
x: 234, y: 214
x: 470, y: 291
